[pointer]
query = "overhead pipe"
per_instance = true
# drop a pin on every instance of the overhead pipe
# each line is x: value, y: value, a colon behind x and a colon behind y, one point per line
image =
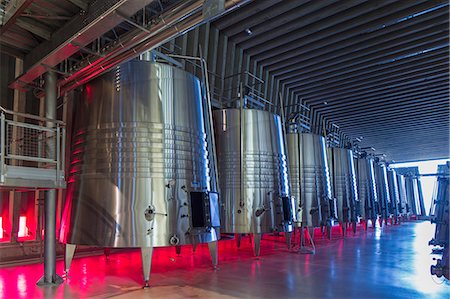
x: 135, y: 36
x: 135, y: 43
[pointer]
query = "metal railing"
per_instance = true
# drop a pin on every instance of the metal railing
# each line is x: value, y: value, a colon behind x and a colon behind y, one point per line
x: 33, y: 142
x: 249, y: 85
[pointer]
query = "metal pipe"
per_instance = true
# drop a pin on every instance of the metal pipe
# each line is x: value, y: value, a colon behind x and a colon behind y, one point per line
x: 241, y: 143
x: 50, y: 277
x: 2, y: 147
x: 136, y: 37
x: 50, y: 200
x: 283, y: 126
x: 211, y: 122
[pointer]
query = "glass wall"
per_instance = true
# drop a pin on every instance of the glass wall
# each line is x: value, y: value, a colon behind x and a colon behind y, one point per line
x: 428, y: 182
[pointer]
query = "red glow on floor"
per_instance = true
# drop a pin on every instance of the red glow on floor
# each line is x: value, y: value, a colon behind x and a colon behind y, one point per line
x: 98, y: 276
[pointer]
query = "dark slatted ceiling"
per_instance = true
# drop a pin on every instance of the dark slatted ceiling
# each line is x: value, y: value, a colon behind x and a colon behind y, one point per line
x: 377, y: 69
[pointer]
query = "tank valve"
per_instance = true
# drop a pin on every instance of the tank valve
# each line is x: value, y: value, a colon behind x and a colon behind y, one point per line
x: 170, y: 184
x: 149, y: 214
x: 174, y: 240
x: 259, y: 211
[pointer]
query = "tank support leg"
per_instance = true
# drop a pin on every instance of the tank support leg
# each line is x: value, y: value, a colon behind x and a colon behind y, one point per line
x: 294, y: 236
x: 311, y: 234
x: 344, y: 229
x: 354, y: 227
x: 68, y: 256
x: 194, y: 246
x: 307, y: 233
x: 146, y: 255
x: 178, y: 249
x: 256, y: 244
x: 213, y: 251
x: 329, y: 231
x: 107, y: 252
x: 288, y: 236
x: 302, y: 237
x: 238, y: 240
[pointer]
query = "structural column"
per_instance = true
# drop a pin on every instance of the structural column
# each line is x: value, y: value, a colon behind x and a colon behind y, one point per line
x: 50, y: 277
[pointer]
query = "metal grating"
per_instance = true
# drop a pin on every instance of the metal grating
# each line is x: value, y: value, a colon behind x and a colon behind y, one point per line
x: 378, y: 69
x: 30, y: 142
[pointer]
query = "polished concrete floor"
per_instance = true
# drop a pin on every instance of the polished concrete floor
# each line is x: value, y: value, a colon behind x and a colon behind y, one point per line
x: 392, y: 262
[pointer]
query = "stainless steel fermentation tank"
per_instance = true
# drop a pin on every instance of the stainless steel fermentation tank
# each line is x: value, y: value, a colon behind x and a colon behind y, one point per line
x: 423, y: 212
x: 253, y: 174
x: 310, y: 180
x: 413, y: 203
x: 140, y: 167
x: 344, y: 188
x: 383, y: 196
x: 394, y: 195
x: 365, y: 179
x: 402, y: 209
x: 440, y: 216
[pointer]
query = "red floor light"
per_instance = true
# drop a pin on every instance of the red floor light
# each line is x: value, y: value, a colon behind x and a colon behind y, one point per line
x: 1, y: 227
x: 23, y: 229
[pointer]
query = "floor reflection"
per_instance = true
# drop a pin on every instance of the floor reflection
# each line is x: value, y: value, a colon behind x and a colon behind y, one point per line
x: 388, y: 262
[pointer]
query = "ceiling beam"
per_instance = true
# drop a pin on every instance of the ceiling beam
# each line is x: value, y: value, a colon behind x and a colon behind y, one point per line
x: 382, y: 53
x: 82, y: 29
x: 439, y: 89
x: 383, y: 107
x: 394, y: 124
x: 357, y: 29
x: 274, y: 17
x: 407, y: 90
x: 325, y: 78
x: 357, y: 77
x: 403, y: 117
x: 319, y: 20
x: 378, y: 44
x: 384, y: 136
x: 375, y: 84
x: 11, y: 51
x: 12, y: 11
x: 80, y: 3
x: 34, y: 27
x: 247, y: 13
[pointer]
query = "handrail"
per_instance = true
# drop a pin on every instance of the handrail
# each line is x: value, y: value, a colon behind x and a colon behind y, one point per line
x: 31, y: 116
